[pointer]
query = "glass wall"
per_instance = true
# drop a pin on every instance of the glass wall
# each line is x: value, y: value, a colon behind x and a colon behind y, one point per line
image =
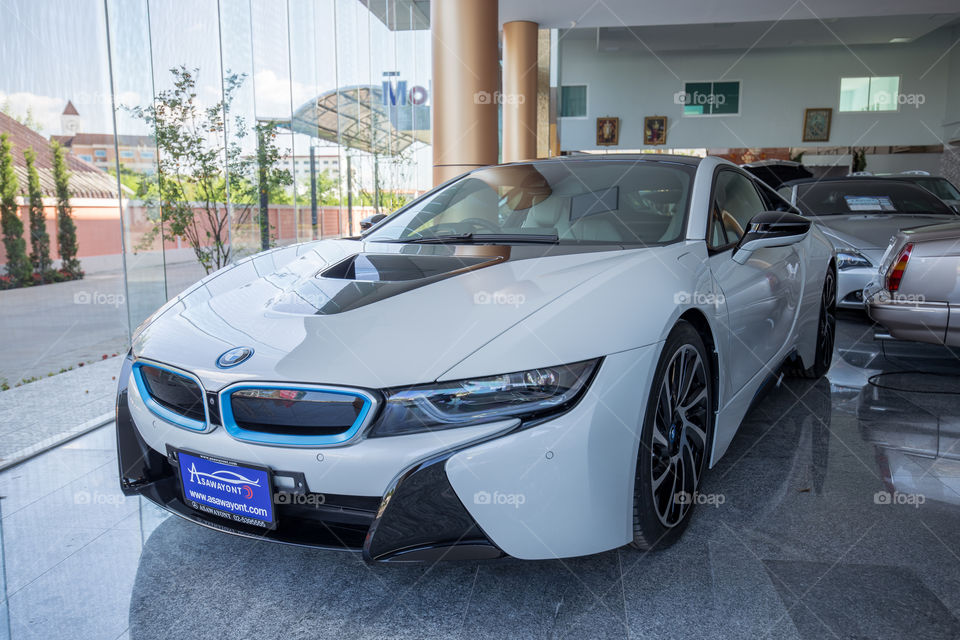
x: 217, y: 129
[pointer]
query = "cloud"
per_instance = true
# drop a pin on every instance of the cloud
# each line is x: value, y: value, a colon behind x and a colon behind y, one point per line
x: 43, y: 110
x: 273, y: 94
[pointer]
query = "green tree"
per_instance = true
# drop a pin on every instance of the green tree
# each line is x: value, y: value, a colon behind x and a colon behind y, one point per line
x: 18, y: 266
x: 26, y: 120
x: 39, y: 238
x: 328, y: 187
x: 859, y: 162
x: 198, y: 167
x: 66, y: 229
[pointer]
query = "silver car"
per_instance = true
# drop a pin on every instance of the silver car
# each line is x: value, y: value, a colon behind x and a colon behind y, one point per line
x: 916, y: 292
x: 860, y: 215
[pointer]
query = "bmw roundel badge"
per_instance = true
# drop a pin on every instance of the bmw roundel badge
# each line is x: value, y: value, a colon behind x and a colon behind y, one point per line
x: 234, y: 357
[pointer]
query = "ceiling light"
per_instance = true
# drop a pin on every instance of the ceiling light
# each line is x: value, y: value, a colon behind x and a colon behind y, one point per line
x: 900, y: 40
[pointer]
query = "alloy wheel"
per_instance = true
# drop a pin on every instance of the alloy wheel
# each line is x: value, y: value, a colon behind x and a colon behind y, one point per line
x: 679, y: 435
x: 828, y: 320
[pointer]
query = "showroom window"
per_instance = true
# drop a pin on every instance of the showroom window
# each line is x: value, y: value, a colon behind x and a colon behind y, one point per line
x: 710, y: 98
x: 869, y: 94
x: 573, y: 101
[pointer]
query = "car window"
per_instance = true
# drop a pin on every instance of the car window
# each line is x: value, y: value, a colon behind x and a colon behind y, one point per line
x: 786, y: 192
x: 862, y: 195
x: 772, y: 200
x: 940, y: 187
x: 735, y: 203
x: 578, y: 201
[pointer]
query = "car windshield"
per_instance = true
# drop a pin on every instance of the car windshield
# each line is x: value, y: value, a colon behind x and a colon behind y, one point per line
x: 940, y: 187
x: 866, y: 196
x: 565, y: 202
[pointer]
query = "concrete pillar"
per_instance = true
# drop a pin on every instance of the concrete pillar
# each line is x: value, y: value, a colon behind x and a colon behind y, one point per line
x: 466, y: 60
x: 519, y: 99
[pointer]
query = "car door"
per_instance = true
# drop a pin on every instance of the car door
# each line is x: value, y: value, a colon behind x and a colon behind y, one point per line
x: 762, y: 294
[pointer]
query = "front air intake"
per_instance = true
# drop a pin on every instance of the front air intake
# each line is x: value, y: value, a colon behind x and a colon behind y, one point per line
x: 173, y: 396
x: 396, y: 267
x: 294, y: 415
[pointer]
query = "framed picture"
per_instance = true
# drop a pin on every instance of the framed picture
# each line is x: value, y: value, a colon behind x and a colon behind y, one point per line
x: 608, y: 132
x: 816, y: 125
x: 655, y: 130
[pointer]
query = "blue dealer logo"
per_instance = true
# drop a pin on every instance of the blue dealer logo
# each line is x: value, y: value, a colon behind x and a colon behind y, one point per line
x: 234, y: 357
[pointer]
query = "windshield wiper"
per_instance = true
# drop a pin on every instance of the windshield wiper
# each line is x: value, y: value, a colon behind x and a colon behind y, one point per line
x: 481, y: 238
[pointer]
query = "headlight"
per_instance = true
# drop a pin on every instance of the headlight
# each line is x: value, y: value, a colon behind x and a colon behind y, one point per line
x: 851, y: 258
x: 445, y: 405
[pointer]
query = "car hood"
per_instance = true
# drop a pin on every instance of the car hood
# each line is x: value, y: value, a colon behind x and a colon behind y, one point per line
x: 873, y: 231
x: 319, y: 313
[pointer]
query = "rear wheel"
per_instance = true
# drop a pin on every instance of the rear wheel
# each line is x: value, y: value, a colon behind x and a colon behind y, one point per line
x: 674, y: 440
x: 826, y: 332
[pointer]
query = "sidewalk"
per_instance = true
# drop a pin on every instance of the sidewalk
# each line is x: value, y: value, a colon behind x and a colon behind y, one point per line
x: 42, y: 414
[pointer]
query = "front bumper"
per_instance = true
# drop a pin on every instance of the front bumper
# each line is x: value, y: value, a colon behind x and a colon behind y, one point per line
x: 850, y: 284
x: 567, y: 481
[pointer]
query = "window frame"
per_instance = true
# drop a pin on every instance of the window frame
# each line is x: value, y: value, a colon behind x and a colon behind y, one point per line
x: 683, y: 90
x: 870, y: 79
x: 711, y: 250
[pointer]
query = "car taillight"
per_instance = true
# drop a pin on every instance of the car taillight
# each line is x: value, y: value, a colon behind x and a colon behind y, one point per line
x: 895, y: 273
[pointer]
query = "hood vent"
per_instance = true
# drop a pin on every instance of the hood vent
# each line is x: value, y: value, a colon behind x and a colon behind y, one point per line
x: 393, y: 267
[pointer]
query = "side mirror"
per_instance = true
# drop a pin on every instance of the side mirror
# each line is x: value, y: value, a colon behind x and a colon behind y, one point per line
x: 366, y: 223
x: 771, y: 229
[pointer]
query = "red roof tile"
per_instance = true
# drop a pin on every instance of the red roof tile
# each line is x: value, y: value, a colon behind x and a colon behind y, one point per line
x: 86, y: 180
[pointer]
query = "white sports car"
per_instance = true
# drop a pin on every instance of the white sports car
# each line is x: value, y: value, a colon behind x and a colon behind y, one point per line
x: 537, y: 360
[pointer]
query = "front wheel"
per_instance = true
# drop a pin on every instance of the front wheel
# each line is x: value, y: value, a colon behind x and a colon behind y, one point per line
x: 674, y: 440
x: 826, y: 332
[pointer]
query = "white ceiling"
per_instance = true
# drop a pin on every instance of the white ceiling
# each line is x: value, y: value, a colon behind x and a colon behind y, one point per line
x: 618, y: 13
x: 738, y: 35
x: 668, y: 25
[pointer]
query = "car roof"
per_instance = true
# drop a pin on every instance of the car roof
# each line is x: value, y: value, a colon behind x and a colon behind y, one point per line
x: 791, y: 183
x: 912, y: 177
x: 629, y: 157
x: 773, y: 163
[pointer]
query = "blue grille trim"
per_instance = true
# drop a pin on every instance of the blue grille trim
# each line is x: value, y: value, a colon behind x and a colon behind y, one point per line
x: 161, y: 411
x: 289, y: 440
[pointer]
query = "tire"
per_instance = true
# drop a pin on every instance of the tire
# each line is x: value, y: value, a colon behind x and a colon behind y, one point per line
x: 826, y: 333
x: 674, y: 441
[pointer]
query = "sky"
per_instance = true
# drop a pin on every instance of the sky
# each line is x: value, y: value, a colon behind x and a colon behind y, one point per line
x: 56, y: 50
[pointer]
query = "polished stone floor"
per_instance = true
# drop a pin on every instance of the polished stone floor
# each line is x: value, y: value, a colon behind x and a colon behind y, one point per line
x: 835, y: 515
